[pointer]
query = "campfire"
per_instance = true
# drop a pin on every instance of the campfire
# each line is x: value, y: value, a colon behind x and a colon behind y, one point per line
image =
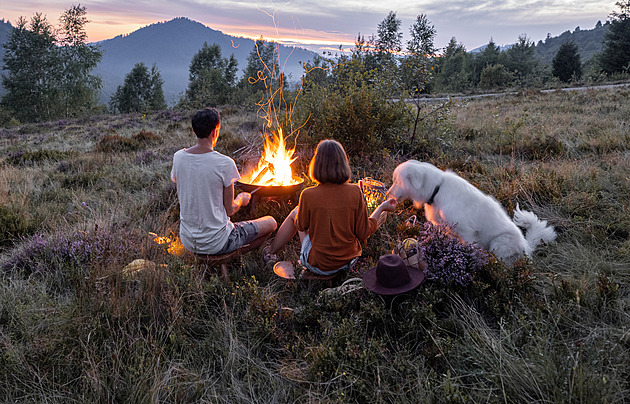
x: 272, y: 175
x: 274, y: 166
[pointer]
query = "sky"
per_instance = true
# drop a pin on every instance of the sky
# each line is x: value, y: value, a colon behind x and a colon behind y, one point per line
x: 321, y: 25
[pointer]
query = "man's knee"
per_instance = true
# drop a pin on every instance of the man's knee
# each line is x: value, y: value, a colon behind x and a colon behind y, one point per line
x: 266, y: 224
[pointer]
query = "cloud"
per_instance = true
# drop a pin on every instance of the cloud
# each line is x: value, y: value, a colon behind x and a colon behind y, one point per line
x: 336, y: 21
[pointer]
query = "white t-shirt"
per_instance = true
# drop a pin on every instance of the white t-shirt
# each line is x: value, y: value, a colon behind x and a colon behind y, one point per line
x: 204, y: 224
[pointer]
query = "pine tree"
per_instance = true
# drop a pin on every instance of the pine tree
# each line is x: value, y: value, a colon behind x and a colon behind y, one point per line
x: 140, y: 92
x: 615, y: 56
x: 566, y: 64
x: 211, y: 78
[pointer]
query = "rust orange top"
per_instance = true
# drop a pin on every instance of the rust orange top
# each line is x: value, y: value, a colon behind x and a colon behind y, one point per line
x: 336, y: 219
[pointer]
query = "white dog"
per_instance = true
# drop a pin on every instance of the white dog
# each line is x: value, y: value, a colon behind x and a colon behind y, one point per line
x: 474, y: 216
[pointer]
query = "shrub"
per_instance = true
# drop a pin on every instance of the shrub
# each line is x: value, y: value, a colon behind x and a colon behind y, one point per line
x: 354, y: 113
x: 26, y: 158
x: 117, y: 143
x: 449, y: 259
x: 78, y: 249
x: 13, y: 225
x: 145, y: 138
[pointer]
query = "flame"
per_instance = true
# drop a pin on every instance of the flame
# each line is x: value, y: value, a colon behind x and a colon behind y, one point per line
x: 274, y: 166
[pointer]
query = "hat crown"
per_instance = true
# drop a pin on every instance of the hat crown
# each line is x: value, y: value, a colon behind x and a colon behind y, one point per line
x: 392, y: 272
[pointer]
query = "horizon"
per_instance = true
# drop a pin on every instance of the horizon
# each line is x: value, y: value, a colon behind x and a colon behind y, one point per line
x: 324, y: 26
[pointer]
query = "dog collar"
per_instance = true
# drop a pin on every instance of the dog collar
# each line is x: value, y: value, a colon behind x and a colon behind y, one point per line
x: 435, y: 191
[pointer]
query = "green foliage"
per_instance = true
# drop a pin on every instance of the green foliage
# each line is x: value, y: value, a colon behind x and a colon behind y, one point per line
x: 263, y: 78
x: 454, y: 68
x: 353, y: 112
x: 211, y: 78
x: 140, y: 92
x: 566, y: 64
x: 49, y: 69
x: 495, y: 77
x: 520, y: 58
x: 615, y: 56
x: 388, y: 40
x: 422, y: 36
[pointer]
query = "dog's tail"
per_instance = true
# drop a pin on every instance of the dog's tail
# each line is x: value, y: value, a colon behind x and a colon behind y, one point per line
x: 536, y: 230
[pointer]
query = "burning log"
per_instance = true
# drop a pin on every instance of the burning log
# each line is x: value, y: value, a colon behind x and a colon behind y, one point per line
x: 260, y: 175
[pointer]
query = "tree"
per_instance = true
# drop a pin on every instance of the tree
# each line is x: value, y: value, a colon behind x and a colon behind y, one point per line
x: 454, y: 68
x: 422, y: 37
x: 30, y: 59
x: 494, y: 76
x: 49, y: 69
x: 389, y: 38
x: 566, y: 64
x: 520, y: 58
x: 140, y: 92
x: 263, y: 67
x: 615, y: 56
x: 415, y: 68
x: 211, y: 78
x: 488, y: 57
x: 77, y: 59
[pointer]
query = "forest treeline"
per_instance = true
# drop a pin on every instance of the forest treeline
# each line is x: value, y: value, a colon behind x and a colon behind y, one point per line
x: 48, y: 70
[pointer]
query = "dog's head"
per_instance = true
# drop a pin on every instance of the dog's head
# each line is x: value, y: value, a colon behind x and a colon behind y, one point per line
x: 404, y: 180
x: 409, y: 182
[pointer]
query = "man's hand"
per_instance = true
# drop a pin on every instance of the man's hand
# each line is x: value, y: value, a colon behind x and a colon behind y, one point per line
x: 243, y: 198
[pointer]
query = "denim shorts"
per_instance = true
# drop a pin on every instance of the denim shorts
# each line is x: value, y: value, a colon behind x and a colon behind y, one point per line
x: 243, y: 233
x: 306, y: 249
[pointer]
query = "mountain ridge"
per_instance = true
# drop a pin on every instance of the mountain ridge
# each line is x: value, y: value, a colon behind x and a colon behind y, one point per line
x: 170, y: 45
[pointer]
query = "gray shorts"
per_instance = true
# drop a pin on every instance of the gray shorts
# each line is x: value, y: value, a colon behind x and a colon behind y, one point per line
x: 243, y: 233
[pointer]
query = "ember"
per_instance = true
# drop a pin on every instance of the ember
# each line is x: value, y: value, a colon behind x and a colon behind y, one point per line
x: 174, y: 247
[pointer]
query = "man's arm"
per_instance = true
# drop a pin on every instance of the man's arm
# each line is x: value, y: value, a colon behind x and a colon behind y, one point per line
x: 231, y: 204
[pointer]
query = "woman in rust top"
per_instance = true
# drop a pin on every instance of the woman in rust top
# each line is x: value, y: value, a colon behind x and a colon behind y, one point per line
x: 331, y: 218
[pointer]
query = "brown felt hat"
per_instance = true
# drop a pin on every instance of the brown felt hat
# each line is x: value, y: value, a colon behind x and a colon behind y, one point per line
x: 392, y: 276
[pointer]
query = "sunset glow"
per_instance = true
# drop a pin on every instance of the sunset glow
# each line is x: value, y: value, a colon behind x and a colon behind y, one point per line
x: 327, y: 24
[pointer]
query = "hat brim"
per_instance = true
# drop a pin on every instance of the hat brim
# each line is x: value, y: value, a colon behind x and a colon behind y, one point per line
x: 370, y: 282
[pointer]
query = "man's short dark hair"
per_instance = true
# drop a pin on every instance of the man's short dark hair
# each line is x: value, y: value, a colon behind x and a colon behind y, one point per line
x: 204, y: 121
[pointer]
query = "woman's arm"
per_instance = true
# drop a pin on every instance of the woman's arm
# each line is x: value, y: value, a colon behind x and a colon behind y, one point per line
x: 387, y: 206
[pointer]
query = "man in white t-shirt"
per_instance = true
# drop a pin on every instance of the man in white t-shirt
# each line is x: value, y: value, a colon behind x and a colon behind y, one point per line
x: 205, y: 189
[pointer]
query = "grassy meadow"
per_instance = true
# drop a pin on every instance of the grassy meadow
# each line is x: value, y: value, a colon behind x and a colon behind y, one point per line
x: 78, y: 199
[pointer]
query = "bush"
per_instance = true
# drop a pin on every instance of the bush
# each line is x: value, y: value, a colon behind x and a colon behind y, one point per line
x: 13, y: 225
x: 449, y: 259
x: 22, y: 158
x: 354, y: 113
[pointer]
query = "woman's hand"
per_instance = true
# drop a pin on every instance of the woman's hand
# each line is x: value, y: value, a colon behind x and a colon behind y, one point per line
x: 388, y: 205
x: 380, y: 212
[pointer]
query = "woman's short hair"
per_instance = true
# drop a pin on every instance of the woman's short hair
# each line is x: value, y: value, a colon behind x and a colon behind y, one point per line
x: 330, y: 163
x: 204, y: 121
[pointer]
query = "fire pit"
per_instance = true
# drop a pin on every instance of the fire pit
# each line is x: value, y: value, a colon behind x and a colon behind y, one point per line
x: 269, y: 191
x: 272, y: 176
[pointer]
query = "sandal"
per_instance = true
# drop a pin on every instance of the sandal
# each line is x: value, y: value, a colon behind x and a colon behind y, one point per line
x: 269, y: 258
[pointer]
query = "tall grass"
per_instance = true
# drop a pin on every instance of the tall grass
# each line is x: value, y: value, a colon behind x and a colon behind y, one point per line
x: 75, y: 326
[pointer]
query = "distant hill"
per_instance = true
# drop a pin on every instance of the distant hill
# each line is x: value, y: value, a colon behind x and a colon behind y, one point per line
x: 171, y: 46
x: 589, y: 42
x: 483, y: 47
